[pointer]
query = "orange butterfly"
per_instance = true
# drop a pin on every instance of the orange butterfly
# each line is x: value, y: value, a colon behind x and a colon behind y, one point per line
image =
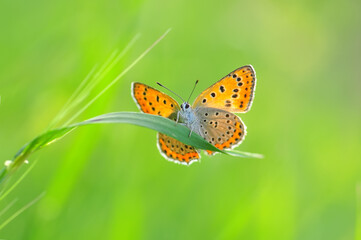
x: 210, y: 116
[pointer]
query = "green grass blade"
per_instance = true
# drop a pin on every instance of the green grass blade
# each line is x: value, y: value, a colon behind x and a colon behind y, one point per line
x: 111, y: 64
x: 157, y: 123
x: 91, y: 80
x: 118, y: 77
x: 166, y: 126
x: 43, y: 140
x: 237, y: 153
x: 67, y: 106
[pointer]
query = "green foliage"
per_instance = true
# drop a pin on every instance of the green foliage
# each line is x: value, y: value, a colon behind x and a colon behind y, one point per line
x: 157, y: 123
x: 109, y: 181
x: 160, y: 124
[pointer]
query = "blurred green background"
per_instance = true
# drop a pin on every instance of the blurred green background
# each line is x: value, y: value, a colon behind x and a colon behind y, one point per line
x: 110, y: 182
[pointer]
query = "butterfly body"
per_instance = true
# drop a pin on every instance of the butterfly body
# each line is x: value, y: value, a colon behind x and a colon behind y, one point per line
x: 210, y: 116
x: 189, y: 117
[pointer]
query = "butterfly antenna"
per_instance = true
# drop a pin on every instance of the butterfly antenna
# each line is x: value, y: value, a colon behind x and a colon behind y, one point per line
x: 193, y: 90
x: 170, y: 91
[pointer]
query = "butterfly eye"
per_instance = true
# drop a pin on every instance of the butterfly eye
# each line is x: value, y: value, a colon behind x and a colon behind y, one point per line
x: 187, y: 106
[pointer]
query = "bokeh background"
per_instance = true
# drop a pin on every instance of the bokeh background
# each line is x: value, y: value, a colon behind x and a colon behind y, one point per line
x: 110, y: 182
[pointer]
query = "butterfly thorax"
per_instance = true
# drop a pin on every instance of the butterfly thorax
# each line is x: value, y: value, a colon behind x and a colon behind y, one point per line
x: 188, y: 116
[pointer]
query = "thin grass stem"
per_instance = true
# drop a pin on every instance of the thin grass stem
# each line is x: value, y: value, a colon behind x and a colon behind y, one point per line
x: 111, y: 64
x: 82, y: 92
x: 116, y: 79
x: 66, y: 108
x: 86, y: 86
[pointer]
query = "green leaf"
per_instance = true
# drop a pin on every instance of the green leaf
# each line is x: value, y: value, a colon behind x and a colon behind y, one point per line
x: 157, y: 123
x: 166, y: 126
x: 237, y: 153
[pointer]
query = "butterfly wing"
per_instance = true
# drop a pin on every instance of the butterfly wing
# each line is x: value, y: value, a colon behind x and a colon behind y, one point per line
x: 233, y: 93
x: 221, y: 128
x: 176, y: 151
x: 152, y: 101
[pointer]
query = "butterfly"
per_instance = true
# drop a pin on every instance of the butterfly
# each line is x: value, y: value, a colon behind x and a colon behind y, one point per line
x: 211, y: 115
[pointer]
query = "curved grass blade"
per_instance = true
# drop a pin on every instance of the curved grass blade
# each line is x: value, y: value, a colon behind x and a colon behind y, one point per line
x: 166, y: 126
x: 157, y: 123
x: 237, y: 153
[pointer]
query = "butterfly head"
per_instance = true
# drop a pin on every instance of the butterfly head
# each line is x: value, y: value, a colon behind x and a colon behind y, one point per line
x: 185, y: 106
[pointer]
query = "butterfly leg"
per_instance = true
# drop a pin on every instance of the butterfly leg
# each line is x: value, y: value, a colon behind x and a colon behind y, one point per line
x: 177, y: 118
x: 191, y: 129
x: 190, y: 133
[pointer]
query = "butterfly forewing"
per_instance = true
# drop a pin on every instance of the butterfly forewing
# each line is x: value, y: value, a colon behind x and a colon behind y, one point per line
x: 233, y: 93
x: 152, y: 101
x: 221, y: 128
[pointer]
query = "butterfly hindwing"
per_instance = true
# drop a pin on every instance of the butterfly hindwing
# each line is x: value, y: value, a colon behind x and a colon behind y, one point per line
x: 221, y: 128
x: 233, y: 93
x: 176, y: 151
